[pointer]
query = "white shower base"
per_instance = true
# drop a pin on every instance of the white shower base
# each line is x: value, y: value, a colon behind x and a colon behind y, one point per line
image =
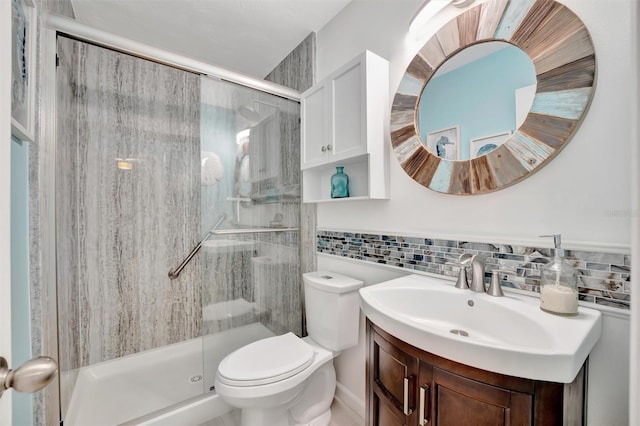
x: 164, y: 386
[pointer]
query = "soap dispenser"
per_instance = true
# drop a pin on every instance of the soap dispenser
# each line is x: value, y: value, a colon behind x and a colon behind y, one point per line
x: 559, y: 284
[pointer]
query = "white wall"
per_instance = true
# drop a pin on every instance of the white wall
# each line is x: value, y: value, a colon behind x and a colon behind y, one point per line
x: 583, y: 193
x: 608, y: 387
x: 634, y: 415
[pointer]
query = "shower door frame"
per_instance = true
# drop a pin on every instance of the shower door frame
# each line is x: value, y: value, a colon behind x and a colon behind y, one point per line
x: 51, y: 27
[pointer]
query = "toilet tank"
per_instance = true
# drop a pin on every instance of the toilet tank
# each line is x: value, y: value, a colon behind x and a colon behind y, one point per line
x: 332, y: 306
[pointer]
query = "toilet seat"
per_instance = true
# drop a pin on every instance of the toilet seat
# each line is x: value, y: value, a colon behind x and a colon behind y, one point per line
x: 266, y: 361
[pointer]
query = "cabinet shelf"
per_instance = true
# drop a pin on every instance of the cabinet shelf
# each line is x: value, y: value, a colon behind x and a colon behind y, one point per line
x: 362, y: 186
x: 339, y: 200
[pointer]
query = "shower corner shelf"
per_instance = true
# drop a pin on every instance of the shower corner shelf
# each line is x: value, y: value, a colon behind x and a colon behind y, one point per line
x: 343, y: 124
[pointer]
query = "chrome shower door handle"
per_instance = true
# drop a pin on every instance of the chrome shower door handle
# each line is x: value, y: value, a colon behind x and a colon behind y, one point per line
x: 31, y: 376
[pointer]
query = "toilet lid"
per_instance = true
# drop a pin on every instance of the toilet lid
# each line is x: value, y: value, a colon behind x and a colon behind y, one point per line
x: 266, y: 361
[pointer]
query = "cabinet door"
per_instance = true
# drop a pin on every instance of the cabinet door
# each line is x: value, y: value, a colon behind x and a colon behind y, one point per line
x: 385, y: 414
x: 459, y: 401
x: 316, y: 137
x: 392, y: 384
x: 425, y: 386
x: 348, y: 106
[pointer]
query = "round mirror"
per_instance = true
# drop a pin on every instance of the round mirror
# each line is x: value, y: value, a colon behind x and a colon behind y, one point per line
x: 476, y: 100
x: 472, y: 146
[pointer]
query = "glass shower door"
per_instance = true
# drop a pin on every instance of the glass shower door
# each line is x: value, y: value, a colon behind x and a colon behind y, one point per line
x: 148, y: 160
x: 127, y: 209
x: 251, y: 179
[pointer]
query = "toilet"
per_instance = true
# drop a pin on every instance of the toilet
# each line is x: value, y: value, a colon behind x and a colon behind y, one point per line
x: 286, y: 380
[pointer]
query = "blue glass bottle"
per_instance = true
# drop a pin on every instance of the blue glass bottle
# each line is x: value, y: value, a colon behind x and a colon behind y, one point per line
x: 339, y: 184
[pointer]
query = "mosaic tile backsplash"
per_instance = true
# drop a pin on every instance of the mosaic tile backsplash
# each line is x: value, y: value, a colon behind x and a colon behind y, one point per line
x: 604, y: 277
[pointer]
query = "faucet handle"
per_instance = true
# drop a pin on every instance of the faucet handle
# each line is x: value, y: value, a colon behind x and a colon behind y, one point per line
x: 495, y: 289
x: 463, y: 262
x: 462, y: 282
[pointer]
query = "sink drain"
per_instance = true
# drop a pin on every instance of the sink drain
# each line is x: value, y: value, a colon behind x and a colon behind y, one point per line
x: 459, y: 332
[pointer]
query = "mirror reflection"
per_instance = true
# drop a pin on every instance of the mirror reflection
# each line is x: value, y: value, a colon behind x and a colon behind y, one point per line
x: 476, y: 100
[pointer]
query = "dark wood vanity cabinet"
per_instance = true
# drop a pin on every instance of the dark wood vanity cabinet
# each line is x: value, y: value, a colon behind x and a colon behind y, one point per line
x: 407, y: 386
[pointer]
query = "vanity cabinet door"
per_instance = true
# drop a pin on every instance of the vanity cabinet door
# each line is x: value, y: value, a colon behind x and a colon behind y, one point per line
x: 392, y: 377
x: 458, y: 401
x: 385, y: 414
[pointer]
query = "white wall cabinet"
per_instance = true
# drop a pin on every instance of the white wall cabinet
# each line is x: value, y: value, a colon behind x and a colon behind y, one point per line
x: 344, y: 123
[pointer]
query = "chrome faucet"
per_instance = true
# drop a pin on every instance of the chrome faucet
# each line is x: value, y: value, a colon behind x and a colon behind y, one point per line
x: 477, y: 274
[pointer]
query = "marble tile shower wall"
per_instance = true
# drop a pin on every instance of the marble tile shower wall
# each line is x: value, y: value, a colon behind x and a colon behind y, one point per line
x: 43, y: 330
x: 120, y: 231
x: 272, y: 273
x: 604, y: 277
x: 253, y: 279
x: 298, y: 71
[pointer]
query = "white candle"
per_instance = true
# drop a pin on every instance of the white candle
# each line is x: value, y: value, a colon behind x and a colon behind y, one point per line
x: 559, y: 299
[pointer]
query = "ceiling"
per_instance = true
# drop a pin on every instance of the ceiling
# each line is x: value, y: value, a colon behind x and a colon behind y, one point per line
x: 471, y: 54
x: 248, y: 36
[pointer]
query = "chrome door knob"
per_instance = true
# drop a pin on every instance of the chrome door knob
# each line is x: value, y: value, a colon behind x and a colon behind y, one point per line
x: 323, y: 149
x: 31, y: 376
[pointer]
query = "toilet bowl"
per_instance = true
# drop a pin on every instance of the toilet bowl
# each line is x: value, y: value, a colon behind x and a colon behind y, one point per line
x: 286, y: 380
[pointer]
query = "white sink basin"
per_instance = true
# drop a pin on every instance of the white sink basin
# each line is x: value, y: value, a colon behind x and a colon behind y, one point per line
x: 508, y: 335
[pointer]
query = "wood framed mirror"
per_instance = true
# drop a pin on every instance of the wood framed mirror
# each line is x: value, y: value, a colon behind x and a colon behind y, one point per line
x: 563, y: 56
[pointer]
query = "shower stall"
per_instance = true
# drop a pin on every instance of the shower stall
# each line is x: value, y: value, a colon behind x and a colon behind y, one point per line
x: 177, y: 233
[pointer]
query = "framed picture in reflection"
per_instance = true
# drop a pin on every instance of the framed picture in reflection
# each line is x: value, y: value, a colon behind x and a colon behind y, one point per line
x: 445, y: 143
x: 485, y: 144
x: 23, y: 60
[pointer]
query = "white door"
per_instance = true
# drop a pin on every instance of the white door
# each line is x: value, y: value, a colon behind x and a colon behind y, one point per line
x: 5, y: 198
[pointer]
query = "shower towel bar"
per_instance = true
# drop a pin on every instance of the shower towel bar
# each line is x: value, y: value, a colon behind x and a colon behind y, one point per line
x: 175, y: 273
x: 252, y: 231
